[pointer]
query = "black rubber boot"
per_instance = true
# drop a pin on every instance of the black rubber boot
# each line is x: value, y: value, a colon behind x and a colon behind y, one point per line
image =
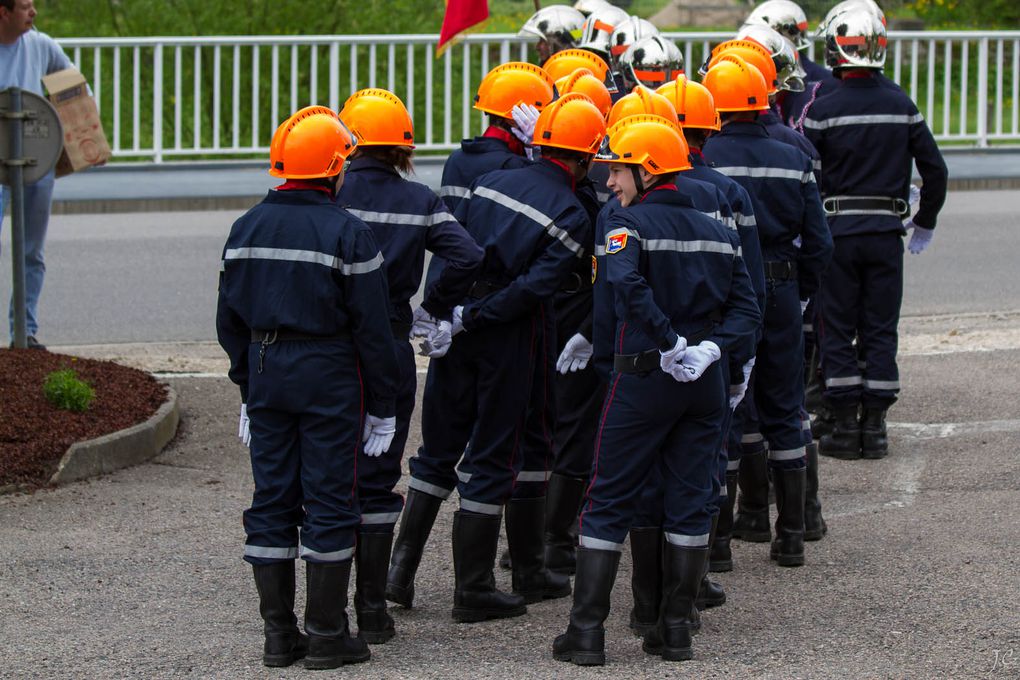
x: 874, y: 439
x: 525, y: 520
x: 505, y: 561
x: 646, y: 577
x: 330, y: 643
x: 475, y: 598
x: 788, y: 546
x: 814, y: 523
x: 823, y: 422
x: 284, y: 642
x: 710, y: 594
x: 373, y: 556
x: 671, y: 639
x: 584, y: 643
x: 844, y: 441
x: 420, y: 510
x: 562, y: 503
x: 814, y: 386
x: 720, y: 557
x: 751, y: 522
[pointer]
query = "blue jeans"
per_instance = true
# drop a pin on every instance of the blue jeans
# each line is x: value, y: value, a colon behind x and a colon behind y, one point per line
x: 37, y: 218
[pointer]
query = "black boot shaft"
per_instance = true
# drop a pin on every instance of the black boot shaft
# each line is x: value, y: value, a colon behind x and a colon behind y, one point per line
x: 844, y: 441
x: 475, y: 597
x: 814, y: 524
x: 646, y: 577
x: 751, y: 522
x: 330, y: 643
x: 684, y: 569
x: 584, y: 643
x: 373, y: 557
x: 284, y: 643
x: 563, y: 501
x: 525, y: 524
x: 788, y: 547
x: 874, y: 438
x: 420, y: 510
x: 720, y: 558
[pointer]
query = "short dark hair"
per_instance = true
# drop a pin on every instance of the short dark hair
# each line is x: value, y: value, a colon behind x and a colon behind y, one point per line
x: 565, y: 155
x: 696, y: 137
x: 7, y: 4
x: 397, y: 157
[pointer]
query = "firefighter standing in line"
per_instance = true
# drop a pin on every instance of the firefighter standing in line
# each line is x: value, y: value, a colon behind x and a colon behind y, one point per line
x: 866, y: 201
x: 503, y: 89
x: 671, y: 294
x: 780, y: 180
x: 557, y: 27
x: 303, y: 316
x: 407, y: 219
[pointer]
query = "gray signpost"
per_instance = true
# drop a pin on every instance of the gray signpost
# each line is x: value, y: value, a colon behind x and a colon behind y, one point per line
x: 31, y: 139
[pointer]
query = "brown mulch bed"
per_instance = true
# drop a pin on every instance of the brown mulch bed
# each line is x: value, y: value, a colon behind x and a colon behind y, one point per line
x: 34, y: 435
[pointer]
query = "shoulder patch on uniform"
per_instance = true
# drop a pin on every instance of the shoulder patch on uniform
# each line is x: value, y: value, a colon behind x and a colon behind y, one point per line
x: 616, y: 242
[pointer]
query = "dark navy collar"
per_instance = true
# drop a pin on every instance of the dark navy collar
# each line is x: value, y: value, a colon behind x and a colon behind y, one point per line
x: 557, y: 170
x: 769, y: 118
x: 362, y: 163
x: 754, y: 129
x: 859, y: 82
x: 298, y: 197
x: 667, y: 196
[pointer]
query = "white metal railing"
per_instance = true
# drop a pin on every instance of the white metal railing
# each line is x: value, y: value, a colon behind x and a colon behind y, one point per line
x: 181, y: 97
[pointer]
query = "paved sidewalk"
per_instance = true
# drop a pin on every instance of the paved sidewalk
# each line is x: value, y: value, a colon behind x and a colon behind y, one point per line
x: 238, y: 184
x: 138, y: 574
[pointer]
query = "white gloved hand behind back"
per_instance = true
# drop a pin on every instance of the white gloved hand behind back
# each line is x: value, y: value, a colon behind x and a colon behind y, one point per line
x: 378, y: 434
x: 920, y: 239
x: 575, y: 355
x: 697, y: 359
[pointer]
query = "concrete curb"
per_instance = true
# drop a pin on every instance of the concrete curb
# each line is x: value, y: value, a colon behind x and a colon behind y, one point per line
x: 121, y: 449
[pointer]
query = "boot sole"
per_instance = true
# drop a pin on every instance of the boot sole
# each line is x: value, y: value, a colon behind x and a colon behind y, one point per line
x: 582, y: 658
x: 534, y: 597
x: 377, y: 637
x: 325, y: 663
x: 840, y: 455
x: 874, y: 455
x: 710, y: 604
x: 280, y: 660
x: 669, y: 653
x: 753, y: 536
x: 398, y: 595
x: 790, y: 560
x: 814, y: 535
x: 720, y: 566
x: 478, y: 615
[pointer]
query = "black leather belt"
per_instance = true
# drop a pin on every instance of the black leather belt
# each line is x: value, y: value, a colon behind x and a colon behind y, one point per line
x: 575, y: 283
x: 865, y: 205
x: 780, y: 271
x: 480, y: 289
x: 642, y: 362
x: 285, y: 335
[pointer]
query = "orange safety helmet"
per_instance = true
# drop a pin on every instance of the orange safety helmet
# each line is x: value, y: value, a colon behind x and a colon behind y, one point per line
x: 736, y: 85
x: 565, y: 62
x: 641, y: 100
x: 695, y: 107
x: 653, y: 142
x: 585, y: 82
x: 571, y: 122
x: 513, y: 83
x: 378, y: 118
x: 754, y: 54
x: 310, y: 144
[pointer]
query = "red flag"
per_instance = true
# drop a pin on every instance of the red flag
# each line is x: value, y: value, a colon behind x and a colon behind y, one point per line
x: 460, y: 16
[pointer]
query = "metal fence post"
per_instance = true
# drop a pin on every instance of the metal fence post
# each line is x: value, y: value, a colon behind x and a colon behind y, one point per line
x: 157, y: 103
x: 982, y: 94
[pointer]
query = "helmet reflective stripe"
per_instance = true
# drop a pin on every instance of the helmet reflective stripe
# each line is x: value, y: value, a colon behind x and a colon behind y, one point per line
x: 855, y: 38
x: 599, y: 26
x: 651, y: 60
x: 848, y: 5
x: 789, y: 73
x: 558, y: 25
x: 783, y: 16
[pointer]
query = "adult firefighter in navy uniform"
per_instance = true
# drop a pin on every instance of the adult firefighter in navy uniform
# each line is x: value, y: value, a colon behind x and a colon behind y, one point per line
x: 303, y: 315
x: 672, y: 292
x: 407, y: 219
x: 866, y: 198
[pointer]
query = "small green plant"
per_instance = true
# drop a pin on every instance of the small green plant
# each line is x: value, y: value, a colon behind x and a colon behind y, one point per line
x: 66, y: 391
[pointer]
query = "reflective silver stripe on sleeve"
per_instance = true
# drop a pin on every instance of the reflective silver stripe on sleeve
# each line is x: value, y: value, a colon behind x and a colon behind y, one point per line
x: 619, y: 231
x: 745, y: 220
x: 268, y: 553
x: 715, y: 215
x: 848, y: 381
x: 817, y: 165
x: 774, y: 173
x: 380, y: 517
x: 700, y: 541
x: 598, y: 544
x: 805, y: 424
x: 402, y: 218
x: 752, y: 438
x: 733, y: 465
x: 481, y: 508
x: 730, y: 222
x: 671, y: 245
x: 600, y: 251
x: 453, y: 190
x: 430, y: 489
x: 309, y: 256
x: 873, y: 119
x: 536, y: 216
x: 533, y: 476
x: 786, y: 454
x: 334, y: 556
x: 464, y: 477
x: 882, y: 384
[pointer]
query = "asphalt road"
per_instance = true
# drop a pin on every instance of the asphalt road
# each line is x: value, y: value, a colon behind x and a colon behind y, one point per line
x: 152, y: 276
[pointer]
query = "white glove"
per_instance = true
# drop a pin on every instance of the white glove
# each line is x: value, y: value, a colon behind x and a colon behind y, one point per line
x: 438, y: 343
x: 243, y: 428
x: 525, y: 116
x: 378, y: 434
x: 669, y: 360
x: 458, y: 320
x: 575, y: 355
x: 737, y: 392
x: 696, y: 359
x: 803, y: 306
x: 915, y: 195
x: 422, y: 323
x: 920, y: 239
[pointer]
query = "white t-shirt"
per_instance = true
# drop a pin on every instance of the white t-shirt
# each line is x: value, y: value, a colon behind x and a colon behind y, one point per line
x: 27, y: 60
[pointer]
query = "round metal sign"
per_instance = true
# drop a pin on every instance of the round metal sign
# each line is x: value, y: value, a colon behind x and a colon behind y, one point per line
x: 42, y: 134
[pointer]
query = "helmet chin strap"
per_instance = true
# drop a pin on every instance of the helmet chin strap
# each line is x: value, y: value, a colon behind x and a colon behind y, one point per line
x: 638, y: 182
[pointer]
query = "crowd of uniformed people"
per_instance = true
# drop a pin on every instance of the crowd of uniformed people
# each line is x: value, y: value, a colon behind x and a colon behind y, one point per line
x: 639, y: 286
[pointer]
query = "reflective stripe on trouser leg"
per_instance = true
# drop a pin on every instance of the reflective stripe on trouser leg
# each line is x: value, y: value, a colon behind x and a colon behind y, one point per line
x: 378, y: 475
x: 805, y: 425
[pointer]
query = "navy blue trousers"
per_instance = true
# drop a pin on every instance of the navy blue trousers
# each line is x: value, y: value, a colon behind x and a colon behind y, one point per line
x: 650, y: 420
x: 860, y: 297
x: 538, y: 441
x: 305, y: 410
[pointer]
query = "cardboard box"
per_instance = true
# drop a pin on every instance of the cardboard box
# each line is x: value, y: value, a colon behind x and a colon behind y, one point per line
x: 85, y: 144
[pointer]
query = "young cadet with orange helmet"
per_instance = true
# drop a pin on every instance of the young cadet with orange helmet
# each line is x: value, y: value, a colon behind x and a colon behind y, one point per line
x: 531, y: 226
x: 780, y: 180
x: 407, y: 219
x: 506, y: 87
x: 303, y: 315
x: 671, y: 294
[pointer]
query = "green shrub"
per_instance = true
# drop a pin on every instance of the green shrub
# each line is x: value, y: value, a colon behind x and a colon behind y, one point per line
x: 67, y: 392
